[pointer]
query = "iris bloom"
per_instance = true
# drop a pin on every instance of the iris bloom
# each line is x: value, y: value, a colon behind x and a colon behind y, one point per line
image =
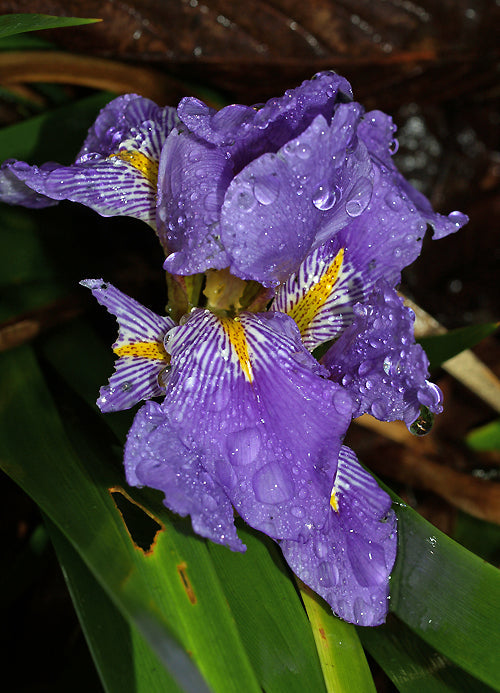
x: 301, y: 197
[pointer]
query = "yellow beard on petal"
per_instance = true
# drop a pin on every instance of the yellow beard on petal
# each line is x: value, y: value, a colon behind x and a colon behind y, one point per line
x: 236, y: 335
x: 306, y: 308
x: 333, y: 501
x: 145, y: 350
x: 148, y: 167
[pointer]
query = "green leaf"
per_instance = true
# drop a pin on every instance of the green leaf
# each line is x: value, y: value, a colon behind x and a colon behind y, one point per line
x: 485, y: 438
x: 269, y: 614
x: 343, y: 661
x: 126, y: 664
x: 442, y: 347
x: 412, y: 665
x: 74, y: 490
x: 19, y: 23
x: 448, y: 596
x: 55, y: 135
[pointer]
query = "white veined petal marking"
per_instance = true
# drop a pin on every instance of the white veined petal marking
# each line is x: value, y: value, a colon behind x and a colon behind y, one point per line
x: 146, y: 166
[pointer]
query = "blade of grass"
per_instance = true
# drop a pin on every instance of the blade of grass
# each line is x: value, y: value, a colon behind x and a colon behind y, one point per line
x: 19, y: 23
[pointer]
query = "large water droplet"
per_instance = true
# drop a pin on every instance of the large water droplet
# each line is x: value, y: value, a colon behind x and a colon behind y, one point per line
x: 272, y: 484
x: 225, y: 473
x: 359, y: 197
x: 423, y: 423
x: 324, y: 197
x: 266, y: 189
x: 243, y: 446
x: 245, y: 200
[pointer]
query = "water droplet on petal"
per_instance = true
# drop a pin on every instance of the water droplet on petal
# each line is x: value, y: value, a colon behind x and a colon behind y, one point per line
x: 359, y: 198
x: 303, y: 151
x: 423, y: 423
x: 266, y: 189
x: 324, y: 197
x: 245, y: 200
x: 225, y: 473
x: 272, y: 484
x: 243, y: 446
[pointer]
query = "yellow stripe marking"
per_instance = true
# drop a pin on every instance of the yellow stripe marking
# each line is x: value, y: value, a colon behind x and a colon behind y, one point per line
x: 306, y: 308
x: 236, y: 335
x: 334, y: 502
x: 144, y: 350
x: 148, y: 167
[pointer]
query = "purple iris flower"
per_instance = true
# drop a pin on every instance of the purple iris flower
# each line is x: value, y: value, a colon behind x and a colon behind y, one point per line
x: 301, y: 196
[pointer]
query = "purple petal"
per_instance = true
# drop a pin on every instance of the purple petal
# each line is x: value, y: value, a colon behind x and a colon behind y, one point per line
x: 377, y: 132
x: 192, y: 180
x: 348, y: 561
x: 116, y: 170
x: 321, y: 295
x: 248, y: 132
x: 167, y: 464
x: 377, y: 360
x: 296, y: 199
x: 141, y: 355
x: 250, y: 402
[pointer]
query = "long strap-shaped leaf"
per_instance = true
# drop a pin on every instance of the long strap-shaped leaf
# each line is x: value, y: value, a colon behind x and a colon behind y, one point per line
x: 147, y: 588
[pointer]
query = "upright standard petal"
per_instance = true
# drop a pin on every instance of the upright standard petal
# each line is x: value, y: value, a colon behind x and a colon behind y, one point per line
x: 377, y: 361
x: 349, y: 559
x: 116, y: 170
x: 142, y: 358
x: 282, y: 205
x: 192, y: 180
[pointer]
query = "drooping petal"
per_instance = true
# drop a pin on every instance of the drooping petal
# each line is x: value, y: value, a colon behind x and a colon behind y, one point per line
x: 250, y: 402
x: 116, y: 170
x: 192, y: 181
x: 377, y: 360
x: 140, y: 349
x: 377, y: 131
x: 282, y: 205
x: 156, y: 456
x: 348, y: 561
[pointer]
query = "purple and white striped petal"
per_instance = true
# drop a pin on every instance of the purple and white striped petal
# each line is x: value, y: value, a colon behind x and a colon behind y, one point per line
x: 142, y: 357
x: 156, y: 456
x: 377, y: 361
x: 320, y: 296
x: 348, y: 561
x: 116, y: 171
x: 250, y: 402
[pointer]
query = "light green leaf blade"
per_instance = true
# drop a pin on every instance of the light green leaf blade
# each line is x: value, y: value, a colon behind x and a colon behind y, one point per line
x: 448, y: 596
x: 485, y: 438
x: 74, y: 491
x: 442, y: 347
x: 269, y: 614
x: 342, y: 658
x: 126, y: 664
x: 19, y: 23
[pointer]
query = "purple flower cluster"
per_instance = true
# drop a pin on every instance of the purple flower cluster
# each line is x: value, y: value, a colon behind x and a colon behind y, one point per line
x: 301, y: 196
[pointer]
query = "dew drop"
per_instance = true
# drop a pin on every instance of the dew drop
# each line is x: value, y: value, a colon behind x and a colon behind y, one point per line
x: 272, y: 484
x: 266, y: 189
x: 423, y: 423
x: 324, y: 198
x: 245, y: 200
x: 360, y: 197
